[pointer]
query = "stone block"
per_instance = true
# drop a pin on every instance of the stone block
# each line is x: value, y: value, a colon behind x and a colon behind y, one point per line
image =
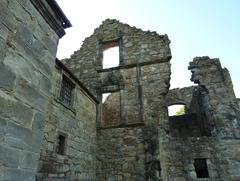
x: 20, y: 66
x: 38, y: 122
x: 18, y: 175
x: 15, y: 110
x: 3, y: 10
x: 3, y: 125
x: 28, y: 93
x: 50, y: 44
x: 45, y: 84
x: 23, y: 138
x: 3, y: 46
x: 35, y: 57
x: 29, y: 161
x: 25, y: 35
x: 9, y: 157
x: 7, y: 77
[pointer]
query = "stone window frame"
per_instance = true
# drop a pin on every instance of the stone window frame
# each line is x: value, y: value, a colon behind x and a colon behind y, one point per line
x: 102, y: 44
x: 63, y: 152
x: 57, y: 90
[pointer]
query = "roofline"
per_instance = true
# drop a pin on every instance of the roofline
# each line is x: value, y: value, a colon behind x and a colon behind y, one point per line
x: 61, y: 65
x: 54, y: 5
x: 53, y: 15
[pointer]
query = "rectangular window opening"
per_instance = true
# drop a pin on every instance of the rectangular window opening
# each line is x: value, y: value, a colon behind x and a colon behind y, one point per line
x: 110, y: 54
x: 61, y: 144
x: 111, y: 115
x: 105, y: 96
x: 201, y: 169
x: 66, y: 93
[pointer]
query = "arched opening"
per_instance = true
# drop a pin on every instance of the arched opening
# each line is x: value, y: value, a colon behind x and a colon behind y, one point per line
x: 105, y: 96
x: 110, y: 113
x: 176, y: 110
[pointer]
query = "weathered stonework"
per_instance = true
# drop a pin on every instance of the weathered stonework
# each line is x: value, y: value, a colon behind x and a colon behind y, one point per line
x: 121, y: 154
x: 78, y: 124
x: 220, y: 146
x: 162, y: 147
x: 28, y: 48
x: 141, y: 82
x: 180, y: 96
x: 48, y: 132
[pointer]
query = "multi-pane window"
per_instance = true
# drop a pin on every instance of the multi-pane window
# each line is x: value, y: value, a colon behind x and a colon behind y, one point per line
x: 200, y: 165
x: 66, y: 93
x: 61, y: 141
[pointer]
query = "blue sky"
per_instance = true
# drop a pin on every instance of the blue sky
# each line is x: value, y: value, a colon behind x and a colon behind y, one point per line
x: 195, y: 28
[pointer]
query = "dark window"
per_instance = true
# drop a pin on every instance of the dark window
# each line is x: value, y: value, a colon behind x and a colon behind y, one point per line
x: 61, y: 144
x: 66, y: 94
x: 153, y: 169
x: 200, y: 165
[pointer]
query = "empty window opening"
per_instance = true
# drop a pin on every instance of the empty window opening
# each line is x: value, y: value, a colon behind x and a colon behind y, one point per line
x: 176, y: 110
x: 61, y: 144
x: 110, y: 54
x: 105, y: 96
x: 111, y: 109
x: 200, y: 165
x: 66, y: 93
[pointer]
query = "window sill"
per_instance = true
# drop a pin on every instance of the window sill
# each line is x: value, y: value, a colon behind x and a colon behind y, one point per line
x: 69, y: 107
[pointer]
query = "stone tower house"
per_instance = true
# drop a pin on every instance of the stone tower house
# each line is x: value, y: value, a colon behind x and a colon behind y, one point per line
x: 136, y: 139
x: 128, y: 136
x: 55, y: 124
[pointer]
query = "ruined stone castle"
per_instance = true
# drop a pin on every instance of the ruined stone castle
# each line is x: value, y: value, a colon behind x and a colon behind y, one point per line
x: 55, y: 126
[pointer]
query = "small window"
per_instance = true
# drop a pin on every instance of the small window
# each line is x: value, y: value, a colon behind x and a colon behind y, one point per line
x: 61, y: 144
x: 110, y: 54
x: 66, y: 93
x: 200, y: 165
x: 105, y: 96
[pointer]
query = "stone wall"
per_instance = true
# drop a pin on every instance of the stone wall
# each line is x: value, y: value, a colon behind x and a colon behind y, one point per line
x: 215, y: 98
x: 222, y: 102
x: 141, y: 82
x: 78, y: 124
x: 28, y: 47
x: 86, y: 63
x: 238, y: 100
x: 121, y: 154
x: 133, y: 139
x: 179, y: 155
x: 180, y: 96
